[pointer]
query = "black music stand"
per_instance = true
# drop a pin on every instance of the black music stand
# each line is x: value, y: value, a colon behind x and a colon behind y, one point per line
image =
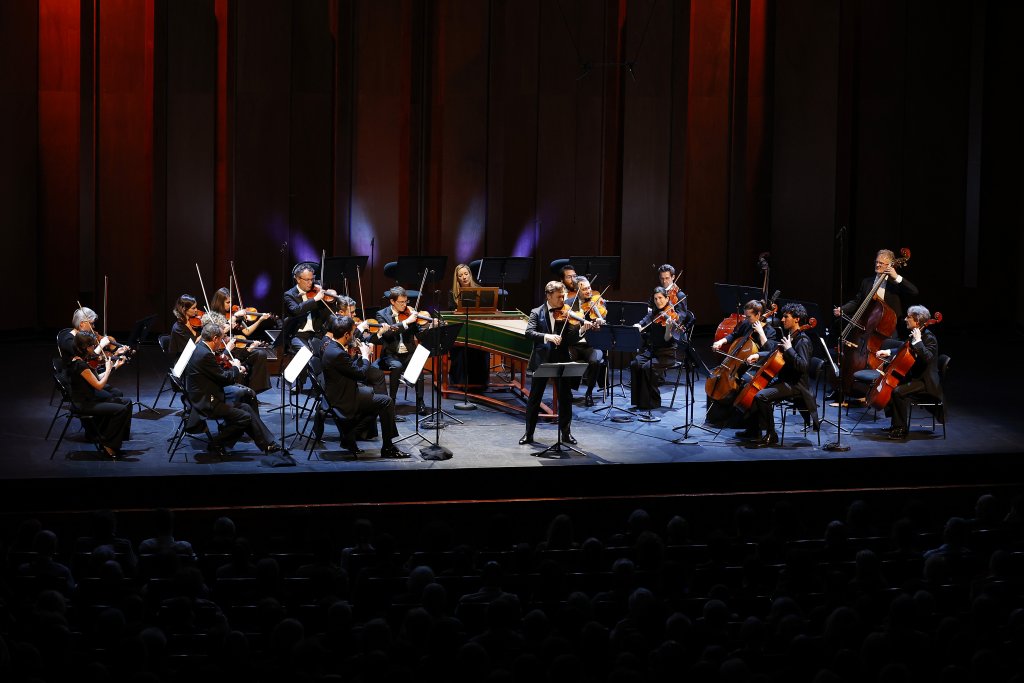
x: 558, y: 371
x: 411, y: 269
x: 838, y: 424
x: 592, y: 266
x: 732, y: 298
x: 281, y: 344
x: 140, y: 330
x: 625, y: 313
x: 342, y: 269
x: 690, y: 363
x: 504, y: 270
x: 439, y: 340
x: 609, y: 338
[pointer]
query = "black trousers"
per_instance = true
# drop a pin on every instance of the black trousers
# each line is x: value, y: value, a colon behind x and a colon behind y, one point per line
x: 594, y: 358
x: 397, y: 364
x: 764, y: 403
x: 643, y: 376
x: 238, y: 420
x: 113, y: 421
x: 537, y: 387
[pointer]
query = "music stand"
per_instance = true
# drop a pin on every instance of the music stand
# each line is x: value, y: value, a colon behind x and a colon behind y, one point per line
x: 732, y: 298
x: 691, y: 359
x: 439, y: 341
x: 560, y: 371
x: 342, y: 269
x: 592, y: 266
x: 291, y: 375
x: 280, y: 344
x: 625, y: 312
x: 504, y: 270
x: 609, y: 338
x: 412, y: 373
x: 135, y: 338
x: 836, y: 445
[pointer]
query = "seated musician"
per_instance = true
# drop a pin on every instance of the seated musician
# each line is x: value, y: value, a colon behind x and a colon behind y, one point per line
x: 399, y: 324
x: 463, y: 360
x: 552, y: 335
x: 206, y: 381
x: 923, y: 377
x: 667, y: 281
x: 569, y: 282
x: 252, y: 356
x: 362, y: 340
x: 581, y: 351
x: 661, y: 326
x: 84, y: 320
x: 312, y: 311
x: 239, y: 392
x: 761, y: 333
x: 112, y: 415
x: 791, y: 380
x: 185, y: 313
x: 343, y: 386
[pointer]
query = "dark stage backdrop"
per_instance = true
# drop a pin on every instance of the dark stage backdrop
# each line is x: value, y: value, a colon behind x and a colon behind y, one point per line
x: 142, y: 138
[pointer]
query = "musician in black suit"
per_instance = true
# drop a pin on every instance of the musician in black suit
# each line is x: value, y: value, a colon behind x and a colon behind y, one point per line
x: 397, y: 336
x: 923, y: 377
x: 344, y: 389
x: 892, y: 291
x: 205, y: 382
x: 551, y: 341
x: 311, y: 311
x: 791, y: 380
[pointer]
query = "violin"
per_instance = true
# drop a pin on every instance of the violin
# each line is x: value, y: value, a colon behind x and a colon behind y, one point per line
x: 250, y: 314
x: 329, y: 294
x: 724, y: 379
x: 566, y: 314
x: 372, y: 325
x: 420, y: 317
x: 898, y: 366
x: 196, y: 323
x: 766, y: 373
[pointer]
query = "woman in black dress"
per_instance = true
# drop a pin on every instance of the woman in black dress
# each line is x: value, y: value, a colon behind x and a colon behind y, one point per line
x: 112, y: 415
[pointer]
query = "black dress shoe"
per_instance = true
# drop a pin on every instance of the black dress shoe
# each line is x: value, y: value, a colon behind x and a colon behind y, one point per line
x: 567, y: 437
x: 399, y: 418
x: 749, y: 434
x: 421, y: 408
x: 897, y: 433
x: 273, y: 448
x: 526, y: 438
x: 588, y: 401
x: 351, y: 446
x: 216, y: 451
x: 391, y: 451
x: 769, y: 439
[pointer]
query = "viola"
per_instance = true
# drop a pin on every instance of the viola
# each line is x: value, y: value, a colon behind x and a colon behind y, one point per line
x: 899, y: 365
x: 724, y: 379
x: 594, y: 308
x: 873, y: 322
x: 766, y: 374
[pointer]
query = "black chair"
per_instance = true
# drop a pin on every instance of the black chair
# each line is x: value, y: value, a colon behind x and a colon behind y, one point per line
x: 63, y: 361
x: 73, y: 411
x: 164, y: 340
x: 58, y: 370
x: 181, y: 431
x: 935, y: 406
x: 795, y: 404
x: 323, y: 409
x: 391, y: 271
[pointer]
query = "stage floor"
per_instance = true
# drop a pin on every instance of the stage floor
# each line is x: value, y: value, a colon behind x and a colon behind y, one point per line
x: 983, y: 436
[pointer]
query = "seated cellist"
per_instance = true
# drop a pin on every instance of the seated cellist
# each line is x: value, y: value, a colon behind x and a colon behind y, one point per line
x: 923, y: 377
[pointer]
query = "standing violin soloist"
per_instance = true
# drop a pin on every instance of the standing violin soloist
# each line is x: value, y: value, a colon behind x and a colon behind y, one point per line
x: 552, y: 334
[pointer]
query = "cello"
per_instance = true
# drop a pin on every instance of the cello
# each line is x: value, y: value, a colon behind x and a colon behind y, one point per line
x: 766, y: 374
x: 724, y: 379
x: 898, y: 366
x: 873, y: 322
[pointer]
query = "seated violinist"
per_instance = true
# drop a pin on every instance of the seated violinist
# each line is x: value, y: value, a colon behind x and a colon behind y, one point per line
x: 923, y: 377
x: 112, y: 415
x: 399, y: 323
x: 237, y: 393
x: 84, y: 320
x: 306, y: 301
x: 252, y: 355
x: 362, y: 341
x: 791, y: 380
x: 662, y: 327
x: 187, y: 325
x: 589, y: 305
x: 206, y: 380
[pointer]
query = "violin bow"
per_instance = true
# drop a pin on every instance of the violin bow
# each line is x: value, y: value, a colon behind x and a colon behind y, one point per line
x: 203, y: 287
x: 359, y: 281
x: 238, y: 290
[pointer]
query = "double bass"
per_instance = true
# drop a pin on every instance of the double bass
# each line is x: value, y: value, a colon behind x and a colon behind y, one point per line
x: 898, y: 366
x: 873, y: 322
x: 766, y: 374
x: 724, y: 379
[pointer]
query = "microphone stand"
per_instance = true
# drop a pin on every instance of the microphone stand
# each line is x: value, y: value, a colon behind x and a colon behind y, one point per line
x: 838, y: 446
